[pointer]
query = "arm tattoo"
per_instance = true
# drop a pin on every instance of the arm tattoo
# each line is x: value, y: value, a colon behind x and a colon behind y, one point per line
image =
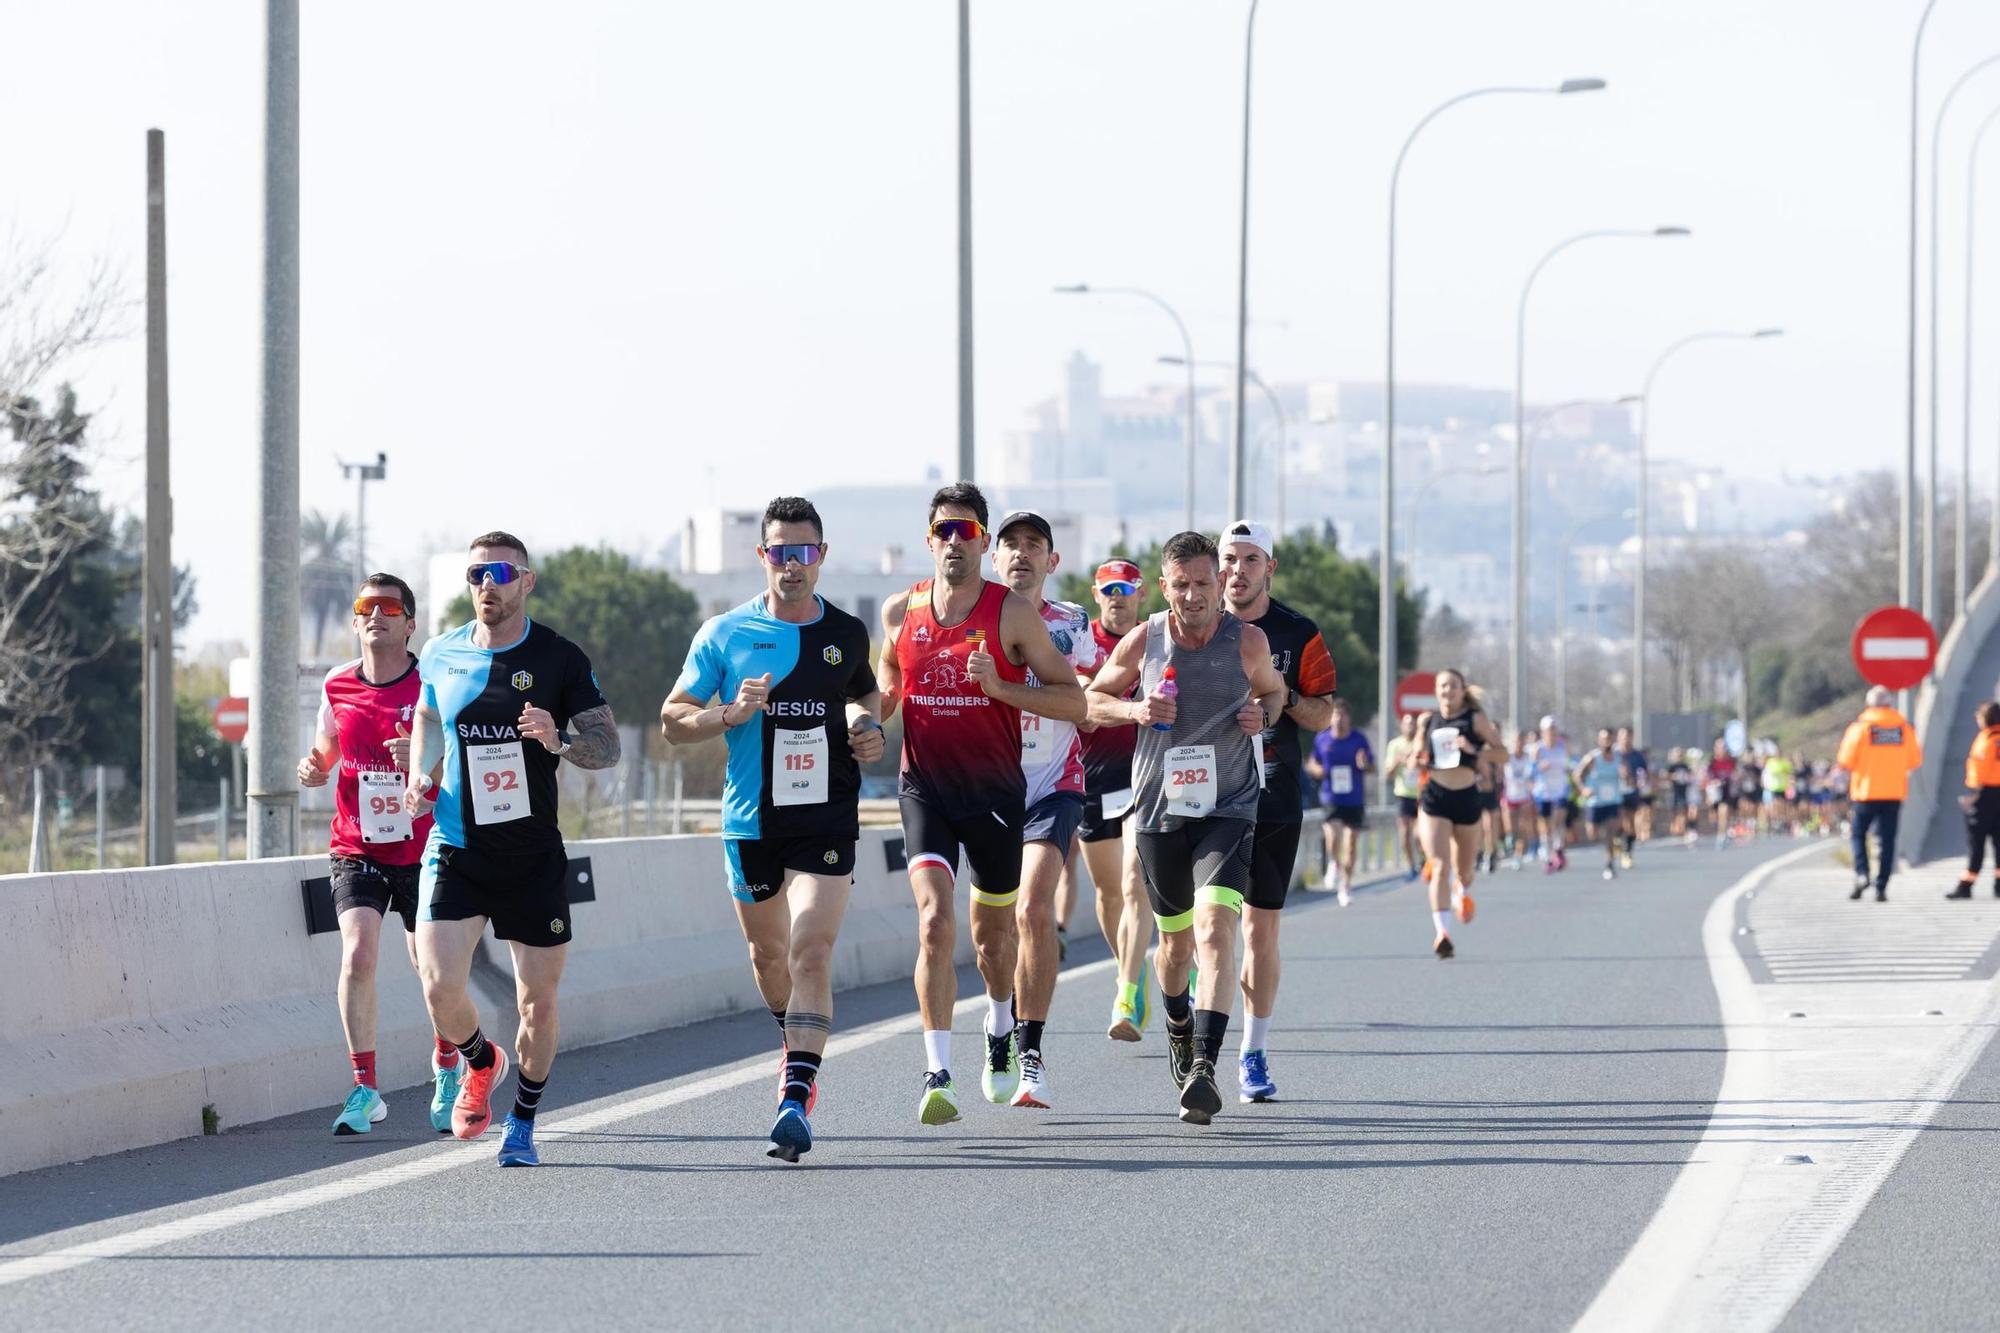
x: 595, y: 742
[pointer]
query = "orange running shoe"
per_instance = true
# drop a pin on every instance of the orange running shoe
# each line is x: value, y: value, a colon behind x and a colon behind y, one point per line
x: 473, y: 1111
x: 1462, y: 903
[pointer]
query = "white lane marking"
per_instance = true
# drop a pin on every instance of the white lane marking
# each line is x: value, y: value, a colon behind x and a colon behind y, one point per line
x: 641, y: 1103
x: 1738, y: 1238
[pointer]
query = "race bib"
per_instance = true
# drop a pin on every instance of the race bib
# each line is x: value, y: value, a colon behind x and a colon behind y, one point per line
x: 1343, y: 780
x: 1117, y: 804
x: 798, y: 766
x: 383, y: 818
x: 499, y: 782
x: 1190, y: 781
x: 1444, y: 747
x: 1037, y: 746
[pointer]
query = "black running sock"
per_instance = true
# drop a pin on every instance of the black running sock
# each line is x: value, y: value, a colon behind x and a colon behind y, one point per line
x: 478, y: 1052
x: 1180, y: 1008
x: 801, y: 1068
x: 1209, y: 1025
x: 527, y: 1096
x: 1031, y: 1034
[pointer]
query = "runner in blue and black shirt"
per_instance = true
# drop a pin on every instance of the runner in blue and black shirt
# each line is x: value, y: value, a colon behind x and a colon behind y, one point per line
x: 504, y: 701
x: 800, y: 713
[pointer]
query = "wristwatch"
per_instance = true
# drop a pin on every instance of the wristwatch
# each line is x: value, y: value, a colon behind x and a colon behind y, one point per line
x: 563, y: 748
x: 1292, y: 698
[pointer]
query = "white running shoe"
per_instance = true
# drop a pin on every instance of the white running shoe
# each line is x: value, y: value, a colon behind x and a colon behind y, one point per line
x: 1033, y: 1089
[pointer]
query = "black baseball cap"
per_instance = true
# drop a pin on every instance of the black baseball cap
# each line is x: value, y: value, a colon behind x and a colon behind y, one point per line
x: 1032, y: 519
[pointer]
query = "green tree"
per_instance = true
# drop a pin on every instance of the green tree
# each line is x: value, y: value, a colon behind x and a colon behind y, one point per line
x: 635, y: 623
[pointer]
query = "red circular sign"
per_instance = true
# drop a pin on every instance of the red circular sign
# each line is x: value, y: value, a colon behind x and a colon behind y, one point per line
x: 1894, y: 647
x: 232, y: 720
x: 1417, y: 693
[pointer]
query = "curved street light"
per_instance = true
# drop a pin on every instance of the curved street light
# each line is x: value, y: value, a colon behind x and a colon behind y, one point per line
x: 1386, y: 562
x: 1905, y: 568
x: 1518, y: 664
x: 1187, y: 346
x: 1965, y: 445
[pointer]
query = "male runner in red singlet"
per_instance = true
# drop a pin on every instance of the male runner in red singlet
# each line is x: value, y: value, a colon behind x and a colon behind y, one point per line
x: 956, y: 654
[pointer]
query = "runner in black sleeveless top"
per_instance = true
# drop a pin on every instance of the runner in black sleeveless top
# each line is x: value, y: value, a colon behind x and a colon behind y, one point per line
x: 1452, y: 743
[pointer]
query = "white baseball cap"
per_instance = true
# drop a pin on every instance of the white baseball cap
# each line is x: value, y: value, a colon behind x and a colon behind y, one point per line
x: 1548, y: 723
x: 1244, y: 530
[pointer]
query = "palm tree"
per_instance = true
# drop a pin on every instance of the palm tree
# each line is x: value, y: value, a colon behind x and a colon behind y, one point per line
x: 326, y: 569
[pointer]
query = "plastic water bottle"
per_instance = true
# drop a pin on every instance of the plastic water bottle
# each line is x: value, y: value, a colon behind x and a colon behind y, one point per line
x: 1170, y: 690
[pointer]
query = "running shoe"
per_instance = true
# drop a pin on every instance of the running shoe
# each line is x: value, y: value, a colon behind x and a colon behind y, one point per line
x: 473, y: 1111
x: 784, y: 1073
x: 1180, y: 1052
x: 364, y: 1110
x: 444, y: 1093
x: 1410, y: 875
x: 1344, y: 897
x: 1199, y: 1098
x: 1253, y: 1078
x: 517, y: 1143
x: 1609, y: 873
x: 1124, y: 1021
x: 1145, y: 1004
x: 1443, y: 948
x: 792, y: 1135
x: 1625, y: 860
x: 1461, y: 903
x: 938, y: 1105
x: 1034, y: 1087
x: 1001, y: 1073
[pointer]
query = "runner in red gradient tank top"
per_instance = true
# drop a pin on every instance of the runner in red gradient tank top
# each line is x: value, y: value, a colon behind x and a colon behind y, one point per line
x: 956, y: 653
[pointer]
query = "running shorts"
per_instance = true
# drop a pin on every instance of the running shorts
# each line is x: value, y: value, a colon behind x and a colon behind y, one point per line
x: 524, y: 895
x: 1629, y: 801
x: 360, y: 882
x: 1460, y: 806
x: 1607, y: 813
x: 1054, y: 819
x: 1406, y: 807
x: 1208, y: 859
x: 1354, y: 816
x: 1489, y: 800
x: 1547, y: 809
x: 1095, y: 827
x: 1274, y: 854
x: 757, y: 866
x: 990, y: 839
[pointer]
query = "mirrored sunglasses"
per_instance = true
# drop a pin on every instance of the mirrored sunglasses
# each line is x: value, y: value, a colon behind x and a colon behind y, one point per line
x: 388, y: 606
x: 500, y: 571
x: 1122, y: 587
x: 958, y: 530
x: 806, y: 553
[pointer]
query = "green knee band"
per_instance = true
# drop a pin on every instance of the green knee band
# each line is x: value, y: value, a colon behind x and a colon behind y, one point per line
x: 1171, y: 924
x: 1217, y: 896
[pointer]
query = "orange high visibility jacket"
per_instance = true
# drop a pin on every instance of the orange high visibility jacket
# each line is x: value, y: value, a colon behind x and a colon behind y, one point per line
x: 1879, y: 749
x: 1982, y: 763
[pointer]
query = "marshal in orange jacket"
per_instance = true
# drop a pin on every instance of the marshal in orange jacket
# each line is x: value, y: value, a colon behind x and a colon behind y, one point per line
x: 1982, y: 762
x: 1879, y: 749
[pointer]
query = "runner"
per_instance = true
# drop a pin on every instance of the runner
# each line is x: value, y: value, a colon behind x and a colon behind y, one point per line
x: 1452, y: 742
x: 1490, y: 769
x: 373, y: 849
x: 1052, y: 759
x: 1680, y: 776
x: 1399, y: 770
x: 1110, y: 840
x: 1778, y: 808
x: 1635, y: 793
x: 1198, y: 772
x: 1340, y: 756
x: 1551, y: 791
x: 1601, y: 774
x: 1517, y: 779
x: 956, y: 655
x: 1249, y: 563
x: 798, y: 669
x: 1718, y: 789
x: 504, y: 701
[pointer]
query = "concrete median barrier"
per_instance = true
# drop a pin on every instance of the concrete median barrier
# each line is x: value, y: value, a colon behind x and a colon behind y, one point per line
x: 130, y: 1000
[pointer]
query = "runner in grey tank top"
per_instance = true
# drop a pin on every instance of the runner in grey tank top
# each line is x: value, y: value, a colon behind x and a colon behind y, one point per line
x: 1204, y: 739
x: 1197, y: 781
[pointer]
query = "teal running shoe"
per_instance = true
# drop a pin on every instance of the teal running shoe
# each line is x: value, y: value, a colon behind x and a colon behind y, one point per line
x: 1145, y: 1006
x: 791, y: 1136
x: 517, y: 1143
x: 444, y: 1094
x: 364, y: 1110
x: 1001, y: 1074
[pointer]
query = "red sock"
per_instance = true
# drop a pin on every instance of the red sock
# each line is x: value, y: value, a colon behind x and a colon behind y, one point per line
x: 364, y: 1068
x: 447, y: 1055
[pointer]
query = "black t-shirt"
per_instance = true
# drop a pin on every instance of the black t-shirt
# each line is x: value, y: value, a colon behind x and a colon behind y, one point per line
x: 1300, y: 656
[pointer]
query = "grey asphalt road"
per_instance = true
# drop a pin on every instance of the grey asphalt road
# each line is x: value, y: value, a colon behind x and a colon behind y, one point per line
x: 1464, y: 1144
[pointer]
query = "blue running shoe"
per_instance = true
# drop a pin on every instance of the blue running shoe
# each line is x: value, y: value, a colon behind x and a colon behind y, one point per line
x: 517, y: 1143
x: 792, y: 1136
x: 1253, y: 1078
x: 444, y: 1094
x: 364, y: 1110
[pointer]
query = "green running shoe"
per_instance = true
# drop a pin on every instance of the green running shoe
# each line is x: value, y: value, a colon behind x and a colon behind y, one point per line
x: 364, y: 1110
x: 444, y: 1094
x: 939, y: 1106
x: 1145, y: 1005
x: 1002, y: 1072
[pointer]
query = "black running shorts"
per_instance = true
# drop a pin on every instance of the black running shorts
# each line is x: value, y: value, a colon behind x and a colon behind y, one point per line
x: 757, y: 866
x: 991, y: 840
x: 1204, y: 859
x: 1274, y: 855
x: 524, y: 895
x: 1460, y: 806
x: 360, y: 882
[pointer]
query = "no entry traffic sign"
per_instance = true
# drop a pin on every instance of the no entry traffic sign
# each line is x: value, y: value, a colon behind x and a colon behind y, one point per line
x: 1894, y: 647
x: 1417, y: 693
x: 232, y: 720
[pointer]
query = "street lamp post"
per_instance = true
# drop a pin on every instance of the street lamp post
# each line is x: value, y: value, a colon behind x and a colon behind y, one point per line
x: 1386, y: 558
x: 1277, y: 414
x: 1905, y: 569
x: 1518, y: 665
x: 1242, y: 277
x: 1187, y: 348
x: 363, y: 473
x: 1639, y: 573
x: 1965, y: 446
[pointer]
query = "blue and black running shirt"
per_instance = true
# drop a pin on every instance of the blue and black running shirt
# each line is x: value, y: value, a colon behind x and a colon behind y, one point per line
x: 791, y: 773
x: 499, y: 791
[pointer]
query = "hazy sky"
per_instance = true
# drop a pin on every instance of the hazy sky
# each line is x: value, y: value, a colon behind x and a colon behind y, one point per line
x: 579, y: 269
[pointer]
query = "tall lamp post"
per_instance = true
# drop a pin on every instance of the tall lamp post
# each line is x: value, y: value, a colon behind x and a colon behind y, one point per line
x: 1965, y: 445
x: 1277, y: 414
x: 1242, y: 277
x: 1385, y: 559
x: 1187, y: 351
x: 1517, y: 682
x: 1905, y: 569
x: 1639, y: 573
